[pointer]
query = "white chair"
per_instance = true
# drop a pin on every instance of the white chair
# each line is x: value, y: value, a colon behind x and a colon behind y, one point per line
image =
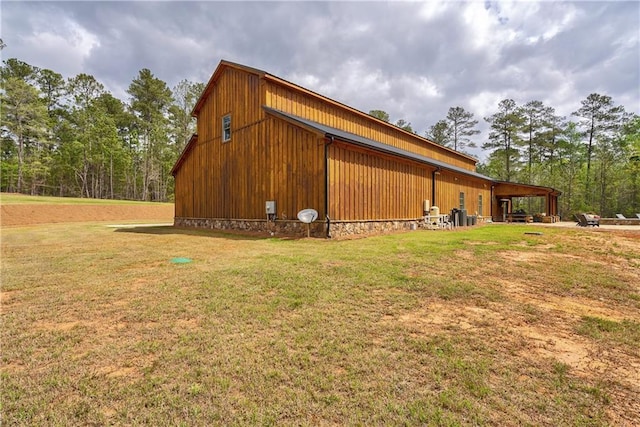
x: 445, y: 222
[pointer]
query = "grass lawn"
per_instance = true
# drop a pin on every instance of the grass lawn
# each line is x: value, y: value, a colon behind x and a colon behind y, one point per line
x: 486, y: 326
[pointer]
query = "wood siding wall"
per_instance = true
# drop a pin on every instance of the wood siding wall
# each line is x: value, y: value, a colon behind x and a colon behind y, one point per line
x: 365, y: 185
x: 296, y: 167
x: 269, y: 158
x: 266, y: 159
x: 448, y: 189
x: 303, y: 105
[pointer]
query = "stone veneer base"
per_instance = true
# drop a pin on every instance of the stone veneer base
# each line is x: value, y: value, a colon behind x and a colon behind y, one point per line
x: 296, y: 228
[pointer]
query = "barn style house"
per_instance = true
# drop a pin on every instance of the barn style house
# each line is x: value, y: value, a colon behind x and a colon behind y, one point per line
x: 266, y: 148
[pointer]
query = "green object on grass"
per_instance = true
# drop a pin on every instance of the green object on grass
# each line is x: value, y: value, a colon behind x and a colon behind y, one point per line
x: 181, y: 260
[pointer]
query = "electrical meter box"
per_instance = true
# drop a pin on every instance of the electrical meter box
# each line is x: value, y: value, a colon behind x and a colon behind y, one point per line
x: 271, y: 207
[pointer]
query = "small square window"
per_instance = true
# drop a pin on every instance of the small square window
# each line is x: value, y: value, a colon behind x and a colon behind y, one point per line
x: 226, y: 128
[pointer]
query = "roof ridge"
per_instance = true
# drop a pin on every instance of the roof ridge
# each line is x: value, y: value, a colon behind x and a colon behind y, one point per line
x: 225, y: 63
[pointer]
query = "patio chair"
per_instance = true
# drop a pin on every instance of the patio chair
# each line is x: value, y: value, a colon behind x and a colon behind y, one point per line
x: 638, y: 215
x: 620, y: 216
x: 445, y: 222
x: 585, y: 220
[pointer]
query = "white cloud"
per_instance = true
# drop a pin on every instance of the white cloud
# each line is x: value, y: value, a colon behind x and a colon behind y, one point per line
x: 484, y: 29
x: 349, y: 81
x: 426, y: 88
x: 63, y: 49
x: 565, y: 20
x: 484, y: 104
x: 433, y: 9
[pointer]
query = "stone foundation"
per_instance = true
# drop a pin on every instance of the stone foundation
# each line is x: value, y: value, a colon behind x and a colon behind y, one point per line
x: 298, y: 229
x: 364, y: 228
x: 281, y: 227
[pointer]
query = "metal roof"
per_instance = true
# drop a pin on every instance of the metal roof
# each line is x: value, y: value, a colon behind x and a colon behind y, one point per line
x: 371, y: 144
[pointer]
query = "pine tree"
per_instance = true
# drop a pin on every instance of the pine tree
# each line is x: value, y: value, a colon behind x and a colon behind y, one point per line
x: 150, y: 101
x: 462, y: 126
x: 380, y: 114
x: 440, y: 133
x: 533, y: 113
x: 600, y: 118
x: 505, y: 134
x: 24, y: 119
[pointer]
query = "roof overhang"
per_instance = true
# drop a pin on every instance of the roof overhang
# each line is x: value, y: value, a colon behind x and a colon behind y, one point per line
x: 331, y: 132
x: 514, y: 189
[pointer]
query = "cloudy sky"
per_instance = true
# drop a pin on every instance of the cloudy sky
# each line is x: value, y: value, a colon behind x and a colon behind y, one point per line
x: 411, y: 59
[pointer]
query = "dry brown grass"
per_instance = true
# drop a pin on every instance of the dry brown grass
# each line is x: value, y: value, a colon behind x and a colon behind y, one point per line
x: 20, y: 210
x: 480, y: 327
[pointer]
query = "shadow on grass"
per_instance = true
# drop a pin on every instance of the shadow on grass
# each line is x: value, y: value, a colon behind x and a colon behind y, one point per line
x: 170, y: 229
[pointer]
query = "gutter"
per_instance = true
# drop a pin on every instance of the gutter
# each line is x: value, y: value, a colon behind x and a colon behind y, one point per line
x: 326, y: 183
x: 491, y: 201
x: 433, y: 186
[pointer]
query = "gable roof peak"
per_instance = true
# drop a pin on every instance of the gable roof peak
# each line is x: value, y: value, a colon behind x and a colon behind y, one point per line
x: 222, y: 65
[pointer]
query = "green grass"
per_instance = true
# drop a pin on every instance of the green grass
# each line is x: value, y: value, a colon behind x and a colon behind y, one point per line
x: 99, y: 327
x: 626, y: 332
x: 14, y: 199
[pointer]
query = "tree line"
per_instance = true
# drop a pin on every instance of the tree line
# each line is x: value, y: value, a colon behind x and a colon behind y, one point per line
x: 593, y: 158
x: 71, y: 137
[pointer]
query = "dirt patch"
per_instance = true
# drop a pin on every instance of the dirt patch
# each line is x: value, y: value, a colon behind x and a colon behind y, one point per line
x: 538, y: 320
x: 550, y: 340
x: 522, y: 256
x: 573, y: 305
x: 29, y: 214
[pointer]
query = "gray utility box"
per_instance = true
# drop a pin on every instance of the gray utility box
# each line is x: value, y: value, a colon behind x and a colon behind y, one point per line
x: 271, y: 207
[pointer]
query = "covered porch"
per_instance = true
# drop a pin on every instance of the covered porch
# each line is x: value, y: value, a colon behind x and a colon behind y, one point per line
x: 511, y: 202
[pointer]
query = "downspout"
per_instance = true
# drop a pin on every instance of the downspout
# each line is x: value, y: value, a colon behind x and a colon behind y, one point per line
x: 491, y: 201
x: 433, y: 186
x: 326, y: 184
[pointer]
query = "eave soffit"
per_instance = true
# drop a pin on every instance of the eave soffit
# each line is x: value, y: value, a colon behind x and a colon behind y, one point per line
x: 515, y: 189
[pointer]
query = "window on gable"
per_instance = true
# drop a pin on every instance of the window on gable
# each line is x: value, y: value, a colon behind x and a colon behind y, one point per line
x: 226, y: 128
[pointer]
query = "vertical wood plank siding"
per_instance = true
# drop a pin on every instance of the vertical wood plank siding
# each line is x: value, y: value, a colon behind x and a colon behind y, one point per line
x: 303, y: 105
x: 266, y: 159
x: 450, y: 185
x: 365, y: 185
